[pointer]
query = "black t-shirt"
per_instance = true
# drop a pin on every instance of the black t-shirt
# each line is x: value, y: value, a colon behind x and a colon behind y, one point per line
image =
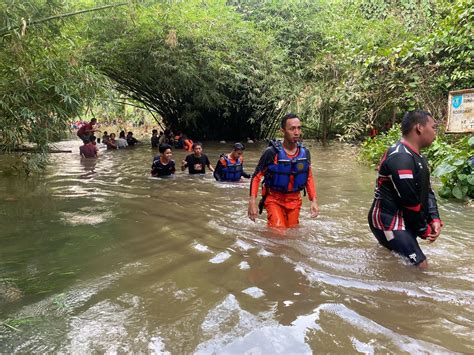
x: 159, y: 169
x: 197, y: 165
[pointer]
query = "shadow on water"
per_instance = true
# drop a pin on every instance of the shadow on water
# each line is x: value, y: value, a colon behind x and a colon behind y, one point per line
x: 96, y: 256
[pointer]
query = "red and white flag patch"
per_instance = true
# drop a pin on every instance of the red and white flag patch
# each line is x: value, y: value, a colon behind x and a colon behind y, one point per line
x: 405, y: 174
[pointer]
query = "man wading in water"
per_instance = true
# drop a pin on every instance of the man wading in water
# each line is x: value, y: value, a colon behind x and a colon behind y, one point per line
x: 404, y: 206
x: 286, y: 169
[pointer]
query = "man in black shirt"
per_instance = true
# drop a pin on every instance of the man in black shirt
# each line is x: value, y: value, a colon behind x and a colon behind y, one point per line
x: 196, y: 162
x: 163, y: 165
x: 404, y: 206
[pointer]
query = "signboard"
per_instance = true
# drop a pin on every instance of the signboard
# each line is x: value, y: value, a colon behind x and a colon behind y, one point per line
x: 461, y: 111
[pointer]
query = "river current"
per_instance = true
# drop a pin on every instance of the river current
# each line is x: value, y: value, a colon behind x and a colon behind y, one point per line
x: 100, y: 257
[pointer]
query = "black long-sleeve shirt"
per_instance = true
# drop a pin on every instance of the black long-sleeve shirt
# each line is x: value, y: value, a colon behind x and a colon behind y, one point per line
x: 403, y: 195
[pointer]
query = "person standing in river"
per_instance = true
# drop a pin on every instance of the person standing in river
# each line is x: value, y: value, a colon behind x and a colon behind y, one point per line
x: 404, y: 206
x: 230, y: 167
x: 196, y: 163
x: 162, y: 164
x: 286, y: 170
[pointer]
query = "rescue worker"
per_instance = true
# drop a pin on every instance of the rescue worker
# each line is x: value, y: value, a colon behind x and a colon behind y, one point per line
x: 404, y: 206
x: 286, y: 170
x: 230, y: 167
x: 187, y: 144
x: 162, y: 164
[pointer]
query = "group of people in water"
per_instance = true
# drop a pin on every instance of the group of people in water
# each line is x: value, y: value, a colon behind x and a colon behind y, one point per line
x: 404, y: 207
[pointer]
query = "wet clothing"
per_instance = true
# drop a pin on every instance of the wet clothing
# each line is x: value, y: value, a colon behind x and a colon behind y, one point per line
x: 402, y: 242
x: 158, y: 168
x: 111, y: 144
x: 197, y: 165
x: 228, y: 169
x: 404, y: 201
x: 188, y: 145
x: 283, y: 210
x: 85, y: 132
x: 88, y: 150
x: 155, y: 141
x: 131, y: 141
x: 280, y: 192
x: 121, y: 143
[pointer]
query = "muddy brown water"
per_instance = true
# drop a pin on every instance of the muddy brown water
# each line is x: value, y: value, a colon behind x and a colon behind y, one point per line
x: 99, y: 257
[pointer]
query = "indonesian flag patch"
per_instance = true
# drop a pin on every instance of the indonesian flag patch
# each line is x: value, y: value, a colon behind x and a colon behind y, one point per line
x: 405, y: 174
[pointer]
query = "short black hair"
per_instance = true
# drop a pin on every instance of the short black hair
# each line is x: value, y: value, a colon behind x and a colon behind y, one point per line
x: 286, y: 118
x: 154, y: 131
x: 196, y: 144
x: 92, y: 139
x: 239, y: 146
x: 412, y: 118
x: 163, y: 147
x: 94, y: 119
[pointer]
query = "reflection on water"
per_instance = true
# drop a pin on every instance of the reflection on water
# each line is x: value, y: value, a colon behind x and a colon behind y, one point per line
x: 96, y: 256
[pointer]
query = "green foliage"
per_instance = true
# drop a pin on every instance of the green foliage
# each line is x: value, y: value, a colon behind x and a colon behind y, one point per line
x: 43, y: 83
x: 454, y: 167
x: 372, y: 149
x: 227, y: 69
x: 449, y: 159
x: 197, y: 64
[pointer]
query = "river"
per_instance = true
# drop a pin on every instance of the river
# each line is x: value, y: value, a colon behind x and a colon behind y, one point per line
x: 99, y: 257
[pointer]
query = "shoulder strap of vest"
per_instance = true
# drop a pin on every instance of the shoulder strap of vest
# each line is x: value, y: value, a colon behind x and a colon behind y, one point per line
x: 275, y: 144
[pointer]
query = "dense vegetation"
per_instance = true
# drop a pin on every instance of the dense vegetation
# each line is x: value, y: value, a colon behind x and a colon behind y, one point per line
x: 450, y: 159
x: 228, y: 69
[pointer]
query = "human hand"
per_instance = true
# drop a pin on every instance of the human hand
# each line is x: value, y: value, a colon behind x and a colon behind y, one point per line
x: 314, y: 209
x: 252, y: 210
x: 435, y: 231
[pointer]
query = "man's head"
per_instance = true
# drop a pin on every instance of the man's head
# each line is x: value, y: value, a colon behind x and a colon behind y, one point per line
x: 122, y: 134
x: 154, y: 132
x: 165, y: 150
x: 237, y: 150
x: 94, y: 120
x: 197, y: 149
x: 112, y: 135
x: 92, y: 139
x: 291, y: 128
x: 420, y: 126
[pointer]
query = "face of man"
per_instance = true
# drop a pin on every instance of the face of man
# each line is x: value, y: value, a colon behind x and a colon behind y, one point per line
x: 292, y: 130
x: 236, y: 154
x: 168, y: 154
x: 427, y: 132
x: 197, y: 150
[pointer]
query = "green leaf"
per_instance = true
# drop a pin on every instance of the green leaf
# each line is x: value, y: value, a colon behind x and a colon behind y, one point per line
x: 471, y: 141
x: 459, y: 191
x: 444, y: 169
x: 470, y: 179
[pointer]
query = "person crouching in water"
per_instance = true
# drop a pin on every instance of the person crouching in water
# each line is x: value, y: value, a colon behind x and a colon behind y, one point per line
x: 286, y: 170
x: 230, y: 167
x: 404, y: 205
x: 163, y: 165
x: 196, y: 162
